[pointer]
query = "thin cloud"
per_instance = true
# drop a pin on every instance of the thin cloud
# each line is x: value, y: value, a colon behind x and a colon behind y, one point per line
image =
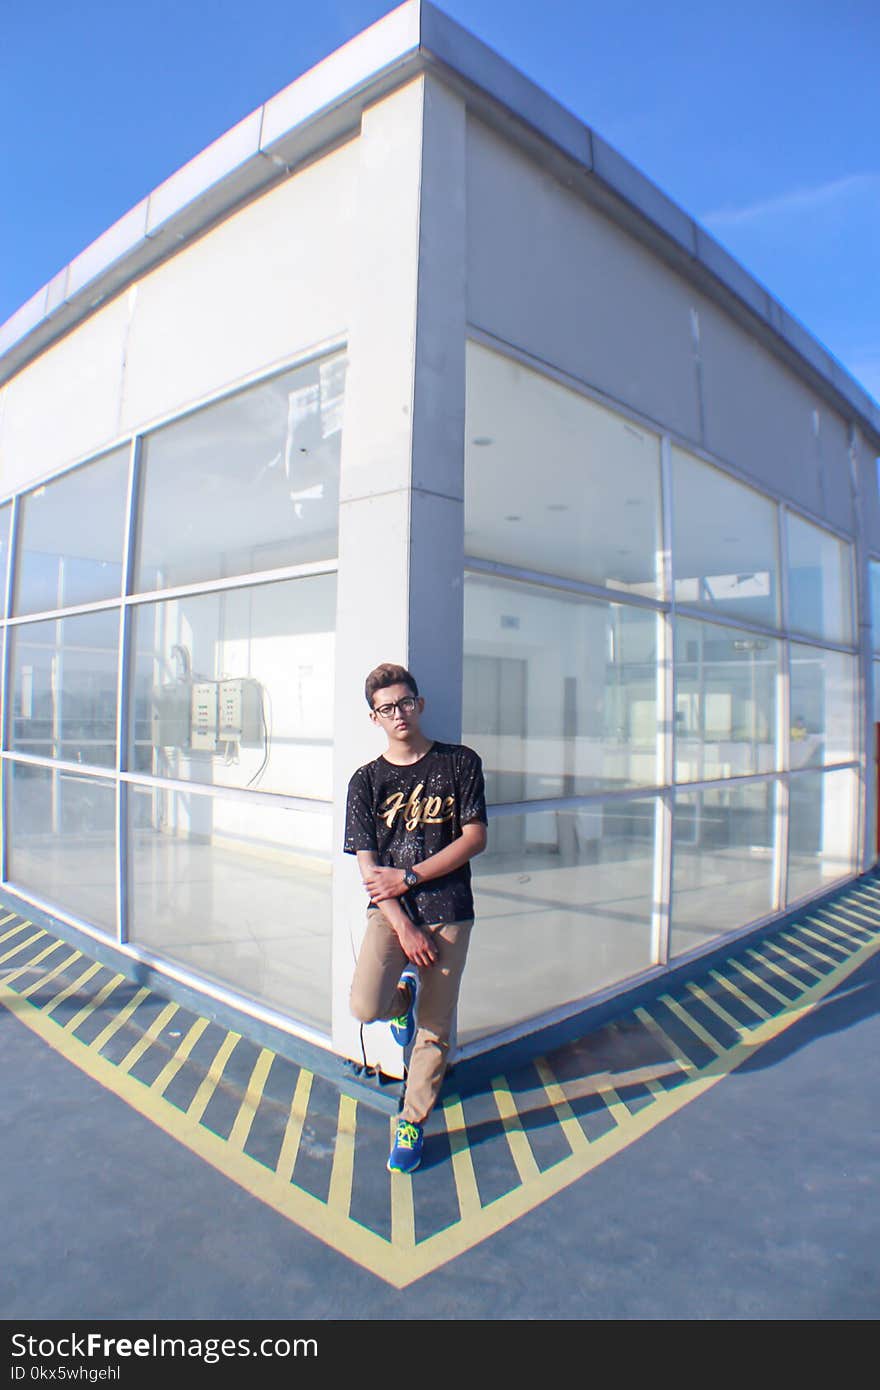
x: 800, y: 200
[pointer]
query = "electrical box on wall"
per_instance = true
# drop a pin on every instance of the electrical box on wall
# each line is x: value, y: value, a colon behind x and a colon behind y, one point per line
x: 204, y: 716
x: 208, y: 716
x: 240, y: 717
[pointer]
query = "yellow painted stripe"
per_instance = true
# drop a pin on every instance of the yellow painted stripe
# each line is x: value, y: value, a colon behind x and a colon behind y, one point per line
x: 173, y: 1065
x: 23, y: 945
x: 403, y: 1216
x: 783, y: 973
x: 293, y: 1133
x: 199, y: 1103
x: 822, y: 938
x: 342, y: 1173
x: 49, y: 976
x: 853, y: 936
x: 762, y: 984
x: 8, y: 918
x: 238, y: 1135
x: 718, y: 1010
x: 78, y: 983
x: 619, y: 1112
x: 734, y: 989
x: 9, y: 976
x: 120, y: 1020
x: 149, y: 1037
x: 517, y: 1139
x: 857, y: 921
x: 664, y: 1039
x: 569, y: 1122
x: 462, y: 1163
x: 867, y: 894
x: 696, y: 1027
x: 867, y: 922
x: 100, y: 998
x: 820, y: 955
x: 14, y: 931
x: 795, y: 960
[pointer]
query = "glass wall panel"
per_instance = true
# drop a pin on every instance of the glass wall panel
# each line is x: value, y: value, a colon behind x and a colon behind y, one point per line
x: 65, y: 677
x: 724, y: 550
x: 62, y: 839
x: 71, y: 536
x: 238, y: 891
x: 722, y: 862
x: 235, y: 687
x: 5, y: 519
x: 821, y: 830
x: 249, y: 483
x: 563, y: 904
x: 824, y: 693
x: 555, y: 482
x: 819, y: 582
x: 874, y: 581
x: 559, y: 690
x: 725, y: 701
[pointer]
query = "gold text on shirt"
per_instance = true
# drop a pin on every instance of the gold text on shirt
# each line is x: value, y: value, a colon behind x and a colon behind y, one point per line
x: 430, y: 810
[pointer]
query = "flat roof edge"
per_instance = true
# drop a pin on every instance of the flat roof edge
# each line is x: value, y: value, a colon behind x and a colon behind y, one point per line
x: 324, y: 106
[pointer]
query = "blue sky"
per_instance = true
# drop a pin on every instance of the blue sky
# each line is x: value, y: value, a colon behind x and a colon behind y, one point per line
x: 761, y: 119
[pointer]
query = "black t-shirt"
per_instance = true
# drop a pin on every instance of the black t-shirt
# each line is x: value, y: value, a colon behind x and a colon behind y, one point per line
x: 406, y: 814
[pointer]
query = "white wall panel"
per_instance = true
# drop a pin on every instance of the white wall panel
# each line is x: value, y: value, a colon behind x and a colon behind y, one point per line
x: 761, y: 418
x: 557, y: 278
x: 65, y: 404
x: 272, y: 279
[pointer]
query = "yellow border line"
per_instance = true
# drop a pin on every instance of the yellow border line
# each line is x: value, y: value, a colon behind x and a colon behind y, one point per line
x: 399, y: 1262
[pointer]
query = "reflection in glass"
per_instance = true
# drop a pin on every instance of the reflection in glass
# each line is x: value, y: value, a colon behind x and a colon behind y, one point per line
x: 724, y: 551
x: 559, y: 690
x: 62, y: 840
x: 237, y: 890
x: 249, y: 483
x: 65, y: 678
x: 725, y: 701
x: 819, y: 582
x: 71, y: 534
x: 874, y: 581
x: 821, y: 830
x: 823, y: 706
x: 563, y: 903
x: 722, y: 862
x: 235, y: 687
x: 5, y: 518
x: 580, y: 485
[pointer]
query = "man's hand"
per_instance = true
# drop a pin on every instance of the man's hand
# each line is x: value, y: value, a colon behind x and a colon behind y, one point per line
x: 417, y: 944
x: 383, y: 883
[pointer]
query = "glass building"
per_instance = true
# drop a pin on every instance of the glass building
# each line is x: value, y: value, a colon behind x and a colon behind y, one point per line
x: 411, y: 366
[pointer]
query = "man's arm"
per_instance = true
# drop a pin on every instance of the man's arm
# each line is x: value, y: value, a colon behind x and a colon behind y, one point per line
x: 417, y: 944
x: 387, y: 884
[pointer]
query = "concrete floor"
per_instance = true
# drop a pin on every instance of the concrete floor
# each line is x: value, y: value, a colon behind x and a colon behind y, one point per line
x: 758, y: 1200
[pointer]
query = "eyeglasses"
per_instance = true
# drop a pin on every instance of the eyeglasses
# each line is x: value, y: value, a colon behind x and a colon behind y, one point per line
x: 407, y: 704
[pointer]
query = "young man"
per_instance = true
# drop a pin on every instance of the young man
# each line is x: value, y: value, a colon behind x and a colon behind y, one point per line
x: 415, y: 817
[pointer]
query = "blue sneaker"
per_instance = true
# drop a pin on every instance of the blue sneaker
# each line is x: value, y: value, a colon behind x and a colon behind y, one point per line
x: 404, y: 1027
x: 406, y: 1153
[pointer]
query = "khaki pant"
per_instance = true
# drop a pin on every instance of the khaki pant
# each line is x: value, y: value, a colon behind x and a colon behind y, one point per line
x: 376, y: 994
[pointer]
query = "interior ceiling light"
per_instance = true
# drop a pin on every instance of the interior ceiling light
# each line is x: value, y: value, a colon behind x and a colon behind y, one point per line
x: 633, y: 501
x: 513, y: 518
x: 482, y: 440
x: 557, y: 506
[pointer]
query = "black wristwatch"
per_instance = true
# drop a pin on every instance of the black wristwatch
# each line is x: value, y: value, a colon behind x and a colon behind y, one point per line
x: 411, y: 879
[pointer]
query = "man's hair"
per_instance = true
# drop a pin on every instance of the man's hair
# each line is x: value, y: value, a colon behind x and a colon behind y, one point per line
x: 388, y: 674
